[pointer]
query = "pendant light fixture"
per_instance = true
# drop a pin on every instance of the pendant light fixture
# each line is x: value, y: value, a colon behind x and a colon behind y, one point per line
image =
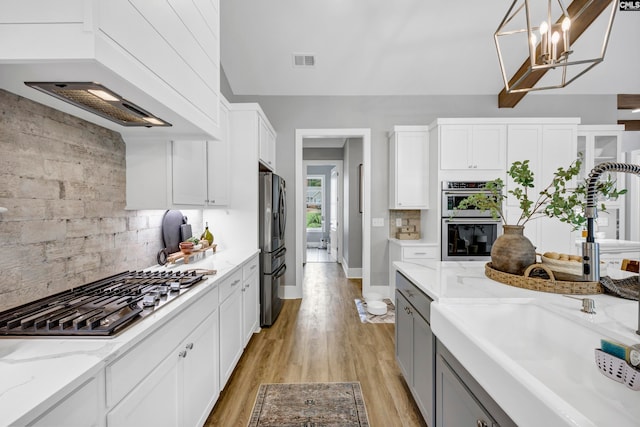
x: 546, y: 33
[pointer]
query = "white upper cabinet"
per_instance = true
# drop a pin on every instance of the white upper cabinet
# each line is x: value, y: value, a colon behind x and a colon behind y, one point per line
x: 409, y: 167
x: 189, y: 172
x: 600, y: 144
x: 219, y: 163
x: 267, y: 142
x: 164, y: 56
x: 472, y: 146
x: 547, y: 147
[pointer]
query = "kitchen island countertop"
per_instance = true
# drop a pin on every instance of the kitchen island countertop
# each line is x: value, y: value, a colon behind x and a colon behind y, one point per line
x: 35, y: 373
x: 466, y: 301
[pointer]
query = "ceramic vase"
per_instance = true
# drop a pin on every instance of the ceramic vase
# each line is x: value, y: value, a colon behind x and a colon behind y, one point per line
x: 512, y: 252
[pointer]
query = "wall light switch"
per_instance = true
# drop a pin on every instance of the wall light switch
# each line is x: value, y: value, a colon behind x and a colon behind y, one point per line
x: 398, y: 222
x: 377, y: 222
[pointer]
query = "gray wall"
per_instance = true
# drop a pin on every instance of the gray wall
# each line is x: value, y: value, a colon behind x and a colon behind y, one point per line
x: 63, y: 182
x: 380, y: 114
x: 352, y: 217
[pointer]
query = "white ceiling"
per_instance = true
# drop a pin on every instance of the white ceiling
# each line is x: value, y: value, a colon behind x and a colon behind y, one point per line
x: 391, y: 47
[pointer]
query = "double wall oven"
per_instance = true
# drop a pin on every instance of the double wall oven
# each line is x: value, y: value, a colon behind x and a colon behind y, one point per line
x: 467, y: 234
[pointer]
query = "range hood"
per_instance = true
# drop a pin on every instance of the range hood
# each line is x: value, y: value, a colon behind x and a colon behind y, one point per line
x: 97, y: 99
x: 160, y: 60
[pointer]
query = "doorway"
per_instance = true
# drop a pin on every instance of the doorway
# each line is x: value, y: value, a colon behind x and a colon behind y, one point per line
x: 365, y: 136
x: 323, y: 204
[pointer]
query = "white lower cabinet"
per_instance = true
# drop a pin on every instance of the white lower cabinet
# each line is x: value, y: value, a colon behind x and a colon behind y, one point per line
x: 171, y: 377
x: 153, y: 402
x: 231, y: 345
x: 407, y: 251
x: 250, y: 299
x: 82, y: 407
x: 199, y: 373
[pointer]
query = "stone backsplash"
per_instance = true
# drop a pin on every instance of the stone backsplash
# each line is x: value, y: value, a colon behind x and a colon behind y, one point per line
x: 62, y: 180
x: 410, y: 219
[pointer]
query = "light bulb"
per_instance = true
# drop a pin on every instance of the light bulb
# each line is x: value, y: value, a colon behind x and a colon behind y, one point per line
x: 555, y: 37
x: 566, y: 23
x: 544, y: 27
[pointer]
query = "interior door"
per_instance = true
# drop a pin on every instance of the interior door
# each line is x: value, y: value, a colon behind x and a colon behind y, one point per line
x: 333, y: 224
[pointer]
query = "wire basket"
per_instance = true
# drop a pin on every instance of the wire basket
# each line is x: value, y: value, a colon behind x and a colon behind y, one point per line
x: 617, y: 369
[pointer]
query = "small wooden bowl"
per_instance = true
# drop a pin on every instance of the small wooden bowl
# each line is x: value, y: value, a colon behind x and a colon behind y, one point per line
x: 186, y: 247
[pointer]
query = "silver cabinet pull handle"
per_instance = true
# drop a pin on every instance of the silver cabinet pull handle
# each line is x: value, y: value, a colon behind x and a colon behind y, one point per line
x: 235, y: 283
x: 183, y: 354
x: 481, y: 423
x: 189, y: 346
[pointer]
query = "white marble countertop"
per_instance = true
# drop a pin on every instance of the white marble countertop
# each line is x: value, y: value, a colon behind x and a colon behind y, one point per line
x: 409, y: 242
x: 540, y: 373
x: 36, y: 372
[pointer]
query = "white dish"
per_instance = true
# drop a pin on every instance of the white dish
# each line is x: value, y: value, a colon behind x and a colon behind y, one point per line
x: 377, y: 308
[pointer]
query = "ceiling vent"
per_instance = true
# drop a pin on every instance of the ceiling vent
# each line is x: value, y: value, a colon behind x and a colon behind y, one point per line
x: 304, y: 60
x: 97, y: 99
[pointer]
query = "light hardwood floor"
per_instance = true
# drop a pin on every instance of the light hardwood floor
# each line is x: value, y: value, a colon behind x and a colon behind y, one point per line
x: 321, y: 339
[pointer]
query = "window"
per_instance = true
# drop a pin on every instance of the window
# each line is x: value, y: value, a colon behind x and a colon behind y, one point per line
x: 315, y: 203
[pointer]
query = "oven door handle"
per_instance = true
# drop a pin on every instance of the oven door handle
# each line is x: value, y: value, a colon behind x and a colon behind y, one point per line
x: 463, y: 193
x: 471, y: 220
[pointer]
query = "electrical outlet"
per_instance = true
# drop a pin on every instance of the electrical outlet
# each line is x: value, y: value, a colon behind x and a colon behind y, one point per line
x: 398, y: 222
x: 377, y: 222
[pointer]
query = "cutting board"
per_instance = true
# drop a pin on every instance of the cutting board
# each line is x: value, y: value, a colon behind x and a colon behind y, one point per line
x: 171, y: 227
x: 185, y: 232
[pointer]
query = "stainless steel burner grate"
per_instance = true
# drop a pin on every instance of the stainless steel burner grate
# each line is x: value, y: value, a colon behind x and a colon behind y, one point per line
x: 101, y: 308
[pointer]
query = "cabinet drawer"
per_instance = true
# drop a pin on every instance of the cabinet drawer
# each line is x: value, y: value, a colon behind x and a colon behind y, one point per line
x: 427, y: 252
x: 250, y: 267
x: 130, y: 369
x: 230, y: 284
x: 418, y: 299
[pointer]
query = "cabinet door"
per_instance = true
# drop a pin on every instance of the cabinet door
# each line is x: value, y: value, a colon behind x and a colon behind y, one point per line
x: 218, y: 164
x: 559, y: 149
x: 524, y: 143
x: 423, y: 368
x: 455, y: 405
x: 200, y: 382
x: 411, y: 170
x: 404, y: 338
x: 455, y: 143
x: 230, y: 335
x: 189, y: 172
x: 488, y: 147
x: 250, y: 306
x: 267, y: 144
x: 81, y: 408
x: 154, y: 402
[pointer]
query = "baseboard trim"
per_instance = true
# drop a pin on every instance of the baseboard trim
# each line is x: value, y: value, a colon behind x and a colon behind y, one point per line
x: 351, y: 273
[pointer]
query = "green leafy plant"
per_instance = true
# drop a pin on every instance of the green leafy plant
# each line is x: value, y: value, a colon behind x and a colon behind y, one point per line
x: 314, y: 220
x: 556, y: 200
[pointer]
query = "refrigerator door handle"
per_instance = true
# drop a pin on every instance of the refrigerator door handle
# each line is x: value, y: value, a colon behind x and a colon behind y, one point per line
x: 283, y: 209
x: 281, y: 272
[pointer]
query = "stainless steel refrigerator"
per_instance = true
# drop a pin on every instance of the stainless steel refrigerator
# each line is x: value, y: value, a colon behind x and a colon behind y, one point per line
x: 273, y: 219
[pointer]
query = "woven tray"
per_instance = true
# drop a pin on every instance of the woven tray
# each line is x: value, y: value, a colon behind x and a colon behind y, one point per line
x: 540, y: 284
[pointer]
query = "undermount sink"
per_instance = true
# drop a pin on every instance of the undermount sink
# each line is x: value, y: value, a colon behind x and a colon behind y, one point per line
x: 548, y: 356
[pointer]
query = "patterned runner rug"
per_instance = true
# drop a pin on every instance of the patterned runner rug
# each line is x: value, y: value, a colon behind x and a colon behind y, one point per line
x: 309, y: 404
x: 366, y: 317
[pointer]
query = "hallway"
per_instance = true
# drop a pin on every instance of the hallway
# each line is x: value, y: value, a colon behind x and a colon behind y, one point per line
x: 321, y: 339
x: 319, y: 255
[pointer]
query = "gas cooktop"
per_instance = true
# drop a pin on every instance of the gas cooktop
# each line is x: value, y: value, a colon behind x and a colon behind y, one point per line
x: 101, y: 308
